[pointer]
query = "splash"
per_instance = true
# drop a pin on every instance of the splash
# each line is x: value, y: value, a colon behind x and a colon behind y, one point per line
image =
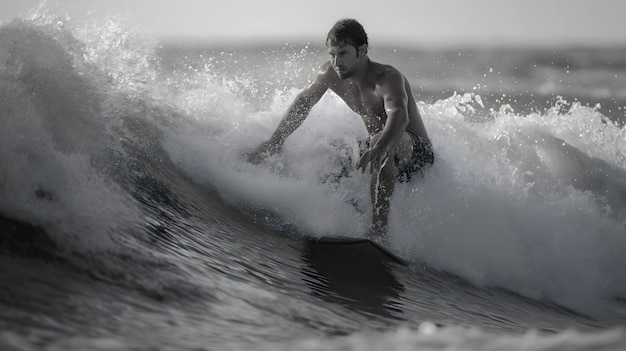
x: 58, y: 146
x: 534, y: 203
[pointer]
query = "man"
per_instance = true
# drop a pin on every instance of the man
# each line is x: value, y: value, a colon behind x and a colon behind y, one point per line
x: 399, y: 145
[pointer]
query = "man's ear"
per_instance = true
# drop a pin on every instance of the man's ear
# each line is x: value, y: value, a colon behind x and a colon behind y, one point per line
x: 362, y: 50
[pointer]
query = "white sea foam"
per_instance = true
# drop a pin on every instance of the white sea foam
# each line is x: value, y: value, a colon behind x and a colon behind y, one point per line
x: 54, y: 140
x: 533, y: 203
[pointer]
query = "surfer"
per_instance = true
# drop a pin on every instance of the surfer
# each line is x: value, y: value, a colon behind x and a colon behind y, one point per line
x: 398, y: 146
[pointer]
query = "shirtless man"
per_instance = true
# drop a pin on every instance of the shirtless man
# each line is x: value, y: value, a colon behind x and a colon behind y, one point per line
x: 398, y: 146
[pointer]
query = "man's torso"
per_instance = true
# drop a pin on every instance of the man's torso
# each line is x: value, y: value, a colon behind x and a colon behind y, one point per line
x: 368, y: 102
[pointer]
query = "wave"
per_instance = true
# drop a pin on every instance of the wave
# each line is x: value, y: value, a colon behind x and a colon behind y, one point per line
x: 456, y: 338
x: 99, y: 142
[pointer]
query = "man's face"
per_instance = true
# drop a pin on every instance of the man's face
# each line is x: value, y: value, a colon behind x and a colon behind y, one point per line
x: 344, y: 59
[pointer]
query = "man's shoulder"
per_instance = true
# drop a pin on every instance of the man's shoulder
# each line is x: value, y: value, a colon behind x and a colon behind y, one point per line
x: 326, y: 70
x: 384, y: 70
x: 326, y: 74
x: 323, y: 81
x: 386, y: 74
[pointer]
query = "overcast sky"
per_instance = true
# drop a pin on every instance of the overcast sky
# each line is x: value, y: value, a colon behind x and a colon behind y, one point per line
x: 443, y: 22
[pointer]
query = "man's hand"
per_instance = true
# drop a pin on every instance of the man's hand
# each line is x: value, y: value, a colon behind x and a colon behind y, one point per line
x: 264, y: 150
x: 375, y: 157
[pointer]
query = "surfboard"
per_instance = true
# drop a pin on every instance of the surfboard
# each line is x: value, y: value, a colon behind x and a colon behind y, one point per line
x: 362, y: 248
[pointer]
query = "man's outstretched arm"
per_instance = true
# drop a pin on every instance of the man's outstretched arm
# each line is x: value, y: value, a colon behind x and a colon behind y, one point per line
x: 297, y: 112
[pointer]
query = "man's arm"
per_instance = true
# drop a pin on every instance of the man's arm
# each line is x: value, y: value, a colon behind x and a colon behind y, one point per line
x: 395, y: 102
x: 297, y: 112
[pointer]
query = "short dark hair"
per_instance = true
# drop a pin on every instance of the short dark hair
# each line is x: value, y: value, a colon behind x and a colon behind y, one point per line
x: 347, y: 31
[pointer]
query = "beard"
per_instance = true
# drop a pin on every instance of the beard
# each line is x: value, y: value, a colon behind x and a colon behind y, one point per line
x: 344, y: 73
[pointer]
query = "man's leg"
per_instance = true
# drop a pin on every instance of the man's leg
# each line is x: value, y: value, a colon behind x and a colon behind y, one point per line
x: 383, y: 183
x: 381, y: 189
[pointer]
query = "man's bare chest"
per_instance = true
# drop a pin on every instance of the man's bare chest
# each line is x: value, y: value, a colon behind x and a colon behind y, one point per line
x: 365, y: 102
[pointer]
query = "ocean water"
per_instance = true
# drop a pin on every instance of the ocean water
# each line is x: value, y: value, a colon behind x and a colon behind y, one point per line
x: 129, y: 219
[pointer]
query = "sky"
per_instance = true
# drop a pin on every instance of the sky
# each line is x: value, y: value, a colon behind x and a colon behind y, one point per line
x: 425, y: 22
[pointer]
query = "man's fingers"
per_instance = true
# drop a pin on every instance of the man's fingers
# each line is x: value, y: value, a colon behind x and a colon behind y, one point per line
x: 364, y: 160
x: 369, y: 157
x: 375, y: 165
x: 374, y: 158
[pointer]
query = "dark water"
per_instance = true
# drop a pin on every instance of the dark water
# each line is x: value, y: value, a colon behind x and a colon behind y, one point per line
x: 128, y: 219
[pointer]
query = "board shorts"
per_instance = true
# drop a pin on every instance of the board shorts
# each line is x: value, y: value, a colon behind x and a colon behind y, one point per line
x: 423, y: 155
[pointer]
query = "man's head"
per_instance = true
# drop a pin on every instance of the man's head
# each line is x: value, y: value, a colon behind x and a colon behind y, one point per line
x: 347, y: 32
x: 347, y: 45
